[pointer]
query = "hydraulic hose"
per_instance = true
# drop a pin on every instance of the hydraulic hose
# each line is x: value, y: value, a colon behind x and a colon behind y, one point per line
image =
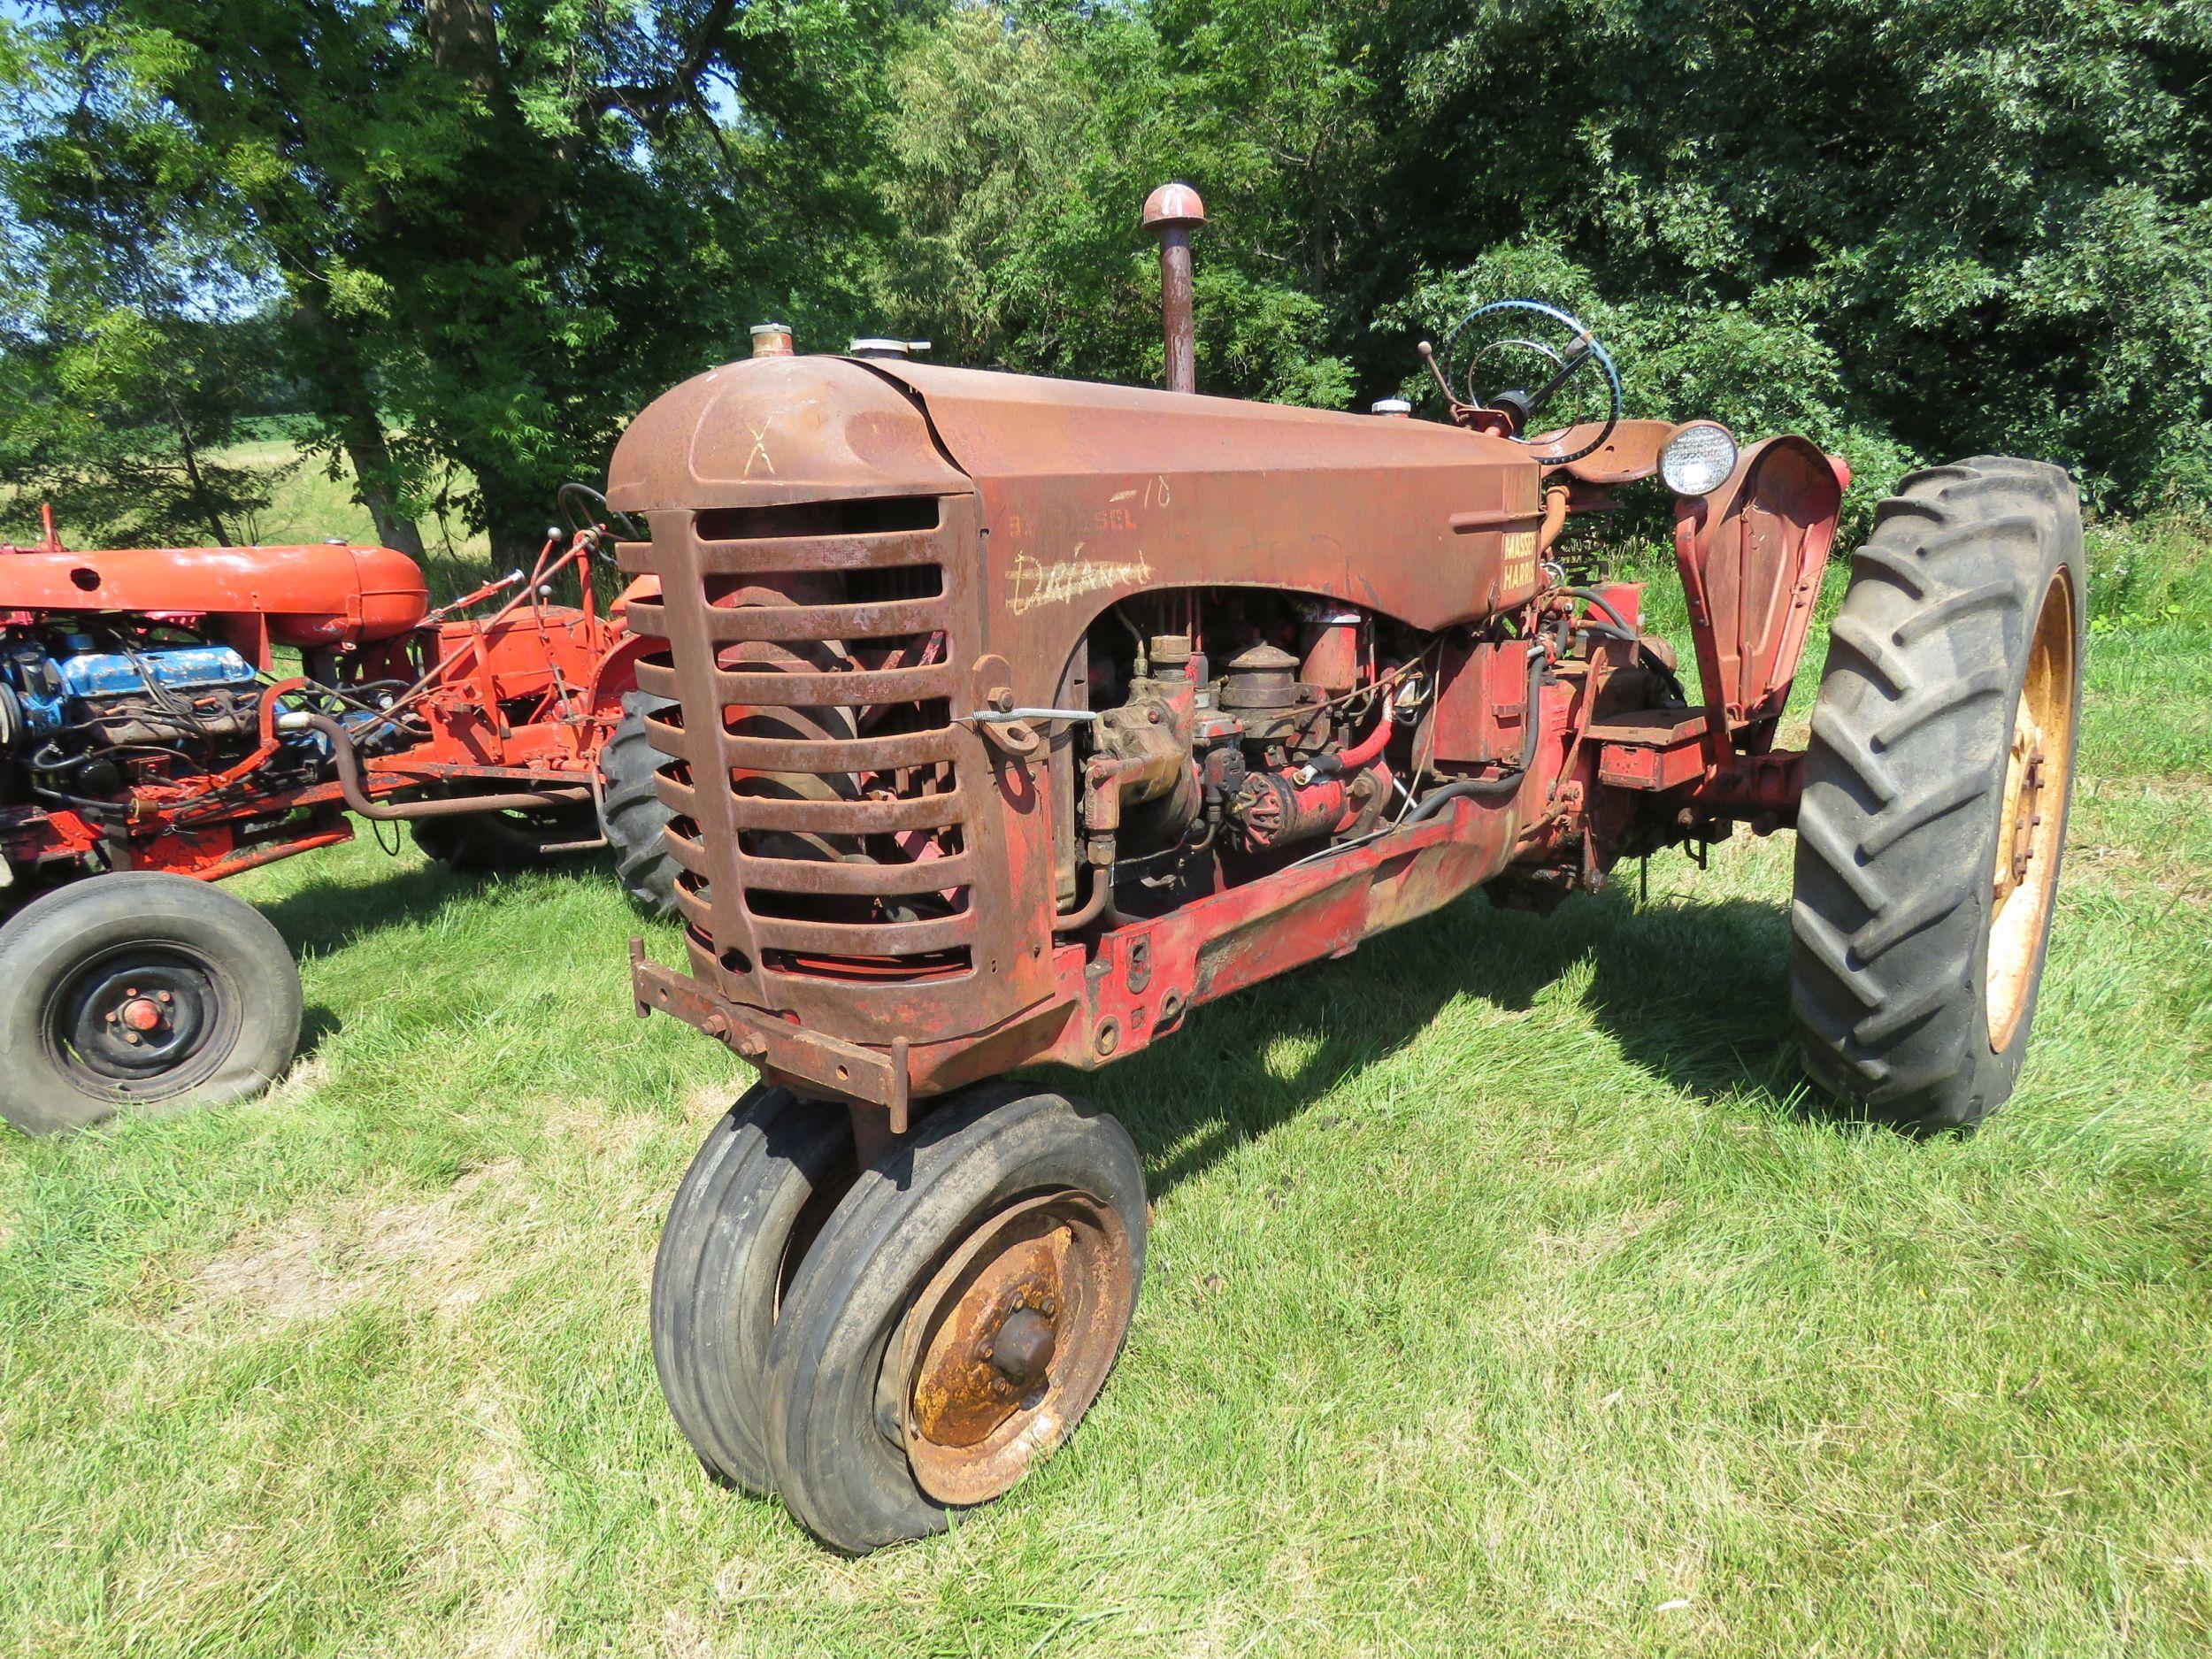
x: 1621, y: 631
x: 1361, y: 754
x: 1592, y: 596
x: 358, y: 800
x: 1505, y: 783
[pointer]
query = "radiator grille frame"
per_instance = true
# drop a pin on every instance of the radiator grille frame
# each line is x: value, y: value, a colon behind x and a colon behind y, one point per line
x: 785, y: 814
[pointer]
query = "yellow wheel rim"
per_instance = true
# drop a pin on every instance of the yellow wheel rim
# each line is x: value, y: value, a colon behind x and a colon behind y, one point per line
x: 2038, y: 775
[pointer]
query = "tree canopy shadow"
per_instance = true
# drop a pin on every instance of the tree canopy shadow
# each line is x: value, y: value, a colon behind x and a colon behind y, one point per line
x: 1695, y: 994
x: 325, y: 915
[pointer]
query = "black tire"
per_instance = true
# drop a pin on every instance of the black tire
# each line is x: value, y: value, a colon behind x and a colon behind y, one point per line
x: 632, y: 815
x: 1907, y: 781
x: 835, y: 1462
x: 213, y: 978
x: 763, y: 1181
x: 490, y: 843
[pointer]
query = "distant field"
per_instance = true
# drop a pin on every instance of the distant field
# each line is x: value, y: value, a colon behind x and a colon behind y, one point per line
x: 1508, y: 1297
x: 310, y: 505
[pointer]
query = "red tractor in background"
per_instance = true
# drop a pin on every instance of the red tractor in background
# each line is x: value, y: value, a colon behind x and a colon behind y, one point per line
x: 173, y: 715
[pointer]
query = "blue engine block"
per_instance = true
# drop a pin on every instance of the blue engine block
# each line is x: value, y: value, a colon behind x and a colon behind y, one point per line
x: 69, y: 683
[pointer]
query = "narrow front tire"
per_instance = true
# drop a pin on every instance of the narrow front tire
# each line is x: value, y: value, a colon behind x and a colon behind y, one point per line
x: 958, y: 1317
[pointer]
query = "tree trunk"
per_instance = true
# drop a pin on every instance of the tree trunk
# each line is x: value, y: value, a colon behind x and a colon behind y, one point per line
x: 372, y: 460
x: 517, y: 534
x: 190, y: 453
x: 330, y: 360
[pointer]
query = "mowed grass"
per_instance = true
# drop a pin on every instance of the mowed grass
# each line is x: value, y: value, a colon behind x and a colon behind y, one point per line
x: 1506, y: 1297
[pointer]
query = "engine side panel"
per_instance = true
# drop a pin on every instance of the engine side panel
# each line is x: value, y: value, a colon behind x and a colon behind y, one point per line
x: 852, y: 557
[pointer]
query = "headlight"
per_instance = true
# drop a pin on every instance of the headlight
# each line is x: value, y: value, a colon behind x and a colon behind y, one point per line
x: 1698, y: 459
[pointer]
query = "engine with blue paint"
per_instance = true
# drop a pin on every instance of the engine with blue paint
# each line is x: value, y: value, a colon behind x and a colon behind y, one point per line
x: 73, y: 689
x: 77, y: 691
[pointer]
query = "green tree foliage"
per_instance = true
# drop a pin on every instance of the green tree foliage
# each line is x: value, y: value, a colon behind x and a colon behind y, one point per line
x: 488, y: 234
x: 115, y: 410
x: 1023, y: 145
x: 1912, y: 230
x: 1993, y: 216
x: 118, y: 376
x: 485, y: 234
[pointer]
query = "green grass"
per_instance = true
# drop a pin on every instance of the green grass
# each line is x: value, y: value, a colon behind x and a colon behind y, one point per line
x: 1506, y: 1298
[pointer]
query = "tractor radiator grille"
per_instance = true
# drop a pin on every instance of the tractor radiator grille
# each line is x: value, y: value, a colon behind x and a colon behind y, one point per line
x: 824, y: 823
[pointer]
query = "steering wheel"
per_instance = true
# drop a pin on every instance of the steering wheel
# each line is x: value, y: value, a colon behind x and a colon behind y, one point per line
x: 577, y: 503
x: 1519, y: 406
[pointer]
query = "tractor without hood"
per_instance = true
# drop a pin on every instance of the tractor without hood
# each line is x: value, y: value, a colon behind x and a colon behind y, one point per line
x: 153, y: 742
x: 1008, y: 719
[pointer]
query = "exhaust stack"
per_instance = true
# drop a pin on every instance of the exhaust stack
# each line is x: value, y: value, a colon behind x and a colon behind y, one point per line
x: 1171, y: 213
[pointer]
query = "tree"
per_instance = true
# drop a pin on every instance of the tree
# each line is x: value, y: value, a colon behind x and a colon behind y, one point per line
x: 1917, y: 229
x: 491, y: 232
x: 1022, y: 148
x: 120, y: 371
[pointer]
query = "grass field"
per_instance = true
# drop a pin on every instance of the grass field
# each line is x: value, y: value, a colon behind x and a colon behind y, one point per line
x: 1506, y: 1298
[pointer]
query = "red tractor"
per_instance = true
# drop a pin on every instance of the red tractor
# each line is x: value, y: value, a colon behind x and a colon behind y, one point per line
x: 1010, y: 719
x: 171, y: 715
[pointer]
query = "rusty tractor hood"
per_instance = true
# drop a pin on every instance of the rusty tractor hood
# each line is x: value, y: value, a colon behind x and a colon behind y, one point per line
x: 1090, y: 491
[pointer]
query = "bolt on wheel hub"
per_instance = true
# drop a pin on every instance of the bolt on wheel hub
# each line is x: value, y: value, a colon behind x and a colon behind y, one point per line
x: 1010, y: 1341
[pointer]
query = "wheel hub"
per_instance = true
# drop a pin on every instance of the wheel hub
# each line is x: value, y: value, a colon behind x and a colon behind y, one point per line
x: 1022, y: 1351
x: 1010, y: 1341
x: 130, y: 1020
x: 139, y: 1014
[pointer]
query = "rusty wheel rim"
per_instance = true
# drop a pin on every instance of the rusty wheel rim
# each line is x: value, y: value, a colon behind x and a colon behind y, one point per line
x: 1010, y: 1341
x: 2039, y: 774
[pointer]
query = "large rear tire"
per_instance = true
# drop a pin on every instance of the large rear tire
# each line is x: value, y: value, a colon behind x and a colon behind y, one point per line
x: 1936, y: 788
x: 632, y: 815
x: 142, y: 992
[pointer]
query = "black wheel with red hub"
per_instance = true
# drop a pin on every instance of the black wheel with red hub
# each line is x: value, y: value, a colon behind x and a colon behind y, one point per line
x: 140, y: 991
x: 957, y: 1316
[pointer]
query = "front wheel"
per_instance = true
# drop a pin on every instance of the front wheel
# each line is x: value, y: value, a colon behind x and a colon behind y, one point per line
x: 753, y: 1200
x: 140, y: 991
x: 957, y: 1316
x: 1936, y: 790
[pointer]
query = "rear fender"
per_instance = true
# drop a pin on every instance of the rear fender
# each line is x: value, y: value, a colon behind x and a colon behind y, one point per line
x: 1751, y: 555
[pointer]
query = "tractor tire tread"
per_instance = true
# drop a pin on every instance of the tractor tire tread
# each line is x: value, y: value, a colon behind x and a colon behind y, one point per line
x: 1903, y: 771
x: 719, y: 1271
x: 632, y: 814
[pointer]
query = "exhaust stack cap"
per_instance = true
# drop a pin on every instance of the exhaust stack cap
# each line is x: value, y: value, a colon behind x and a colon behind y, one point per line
x: 1170, y: 213
x: 1173, y: 204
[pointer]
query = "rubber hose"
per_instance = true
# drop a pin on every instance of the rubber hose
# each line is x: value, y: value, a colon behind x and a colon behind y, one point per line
x: 357, y: 798
x: 1506, y: 783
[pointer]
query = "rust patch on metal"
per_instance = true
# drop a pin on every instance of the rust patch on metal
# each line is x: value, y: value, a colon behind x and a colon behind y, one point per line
x: 1010, y: 1341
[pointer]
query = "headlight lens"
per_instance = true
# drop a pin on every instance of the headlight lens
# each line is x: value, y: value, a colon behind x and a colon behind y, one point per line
x: 1698, y: 459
